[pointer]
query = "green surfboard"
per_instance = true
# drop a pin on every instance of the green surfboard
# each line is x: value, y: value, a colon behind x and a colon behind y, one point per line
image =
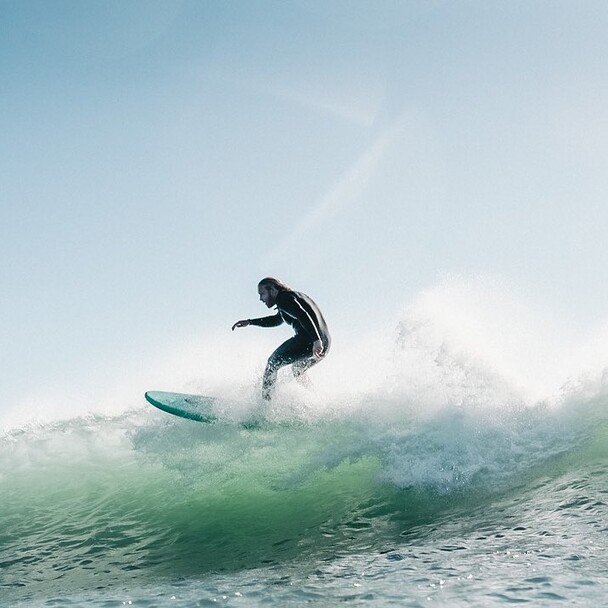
x: 192, y: 407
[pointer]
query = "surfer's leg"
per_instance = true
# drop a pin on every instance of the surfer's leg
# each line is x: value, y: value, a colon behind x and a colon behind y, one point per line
x: 299, y: 369
x: 302, y: 365
x: 291, y: 351
x: 269, y: 381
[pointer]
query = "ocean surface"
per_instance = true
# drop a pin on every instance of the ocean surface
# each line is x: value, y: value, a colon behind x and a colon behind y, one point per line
x: 438, y: 481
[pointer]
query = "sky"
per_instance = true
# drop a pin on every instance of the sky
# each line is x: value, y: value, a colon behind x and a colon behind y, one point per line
x: 159, y: 157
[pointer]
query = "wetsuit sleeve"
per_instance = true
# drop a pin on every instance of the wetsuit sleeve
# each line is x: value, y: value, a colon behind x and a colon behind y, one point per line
x: 291, y: 306
x: 273, y: 321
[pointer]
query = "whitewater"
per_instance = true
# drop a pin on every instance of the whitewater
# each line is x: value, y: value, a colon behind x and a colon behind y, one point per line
x: 455, y: 457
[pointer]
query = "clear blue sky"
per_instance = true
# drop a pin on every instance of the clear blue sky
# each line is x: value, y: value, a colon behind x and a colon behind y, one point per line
x: 158, y: 158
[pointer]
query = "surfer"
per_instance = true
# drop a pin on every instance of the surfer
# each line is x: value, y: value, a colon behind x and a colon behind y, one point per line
x: 311, y: 342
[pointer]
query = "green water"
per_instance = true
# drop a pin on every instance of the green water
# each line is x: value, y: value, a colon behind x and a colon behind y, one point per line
x: 153, y: 510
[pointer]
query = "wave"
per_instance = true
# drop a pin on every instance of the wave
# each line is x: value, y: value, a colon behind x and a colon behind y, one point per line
x: 101, y: 500
x: 144, y: 493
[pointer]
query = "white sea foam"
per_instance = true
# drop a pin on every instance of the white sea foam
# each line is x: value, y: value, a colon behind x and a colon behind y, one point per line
x: 470, y: 386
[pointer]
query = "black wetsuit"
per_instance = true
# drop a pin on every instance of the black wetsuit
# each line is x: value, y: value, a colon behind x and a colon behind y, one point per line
x: 299, y: 311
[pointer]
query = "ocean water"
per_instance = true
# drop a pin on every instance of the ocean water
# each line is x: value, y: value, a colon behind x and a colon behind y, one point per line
x: 438, y: 478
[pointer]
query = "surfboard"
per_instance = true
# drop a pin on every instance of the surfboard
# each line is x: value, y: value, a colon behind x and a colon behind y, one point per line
x: 192, y: 407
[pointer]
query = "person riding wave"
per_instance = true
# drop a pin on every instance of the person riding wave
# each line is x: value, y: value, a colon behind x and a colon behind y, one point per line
x: 311, y: 341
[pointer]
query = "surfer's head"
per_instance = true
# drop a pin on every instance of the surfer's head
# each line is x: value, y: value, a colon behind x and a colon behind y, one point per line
x: 268, y: 289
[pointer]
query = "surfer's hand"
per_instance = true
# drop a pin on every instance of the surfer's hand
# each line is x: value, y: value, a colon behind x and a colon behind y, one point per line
x: 317, y: 349
x: 242, y: 323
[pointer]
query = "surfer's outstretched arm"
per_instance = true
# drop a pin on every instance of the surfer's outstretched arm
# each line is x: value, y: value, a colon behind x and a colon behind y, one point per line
x: 272, y: 321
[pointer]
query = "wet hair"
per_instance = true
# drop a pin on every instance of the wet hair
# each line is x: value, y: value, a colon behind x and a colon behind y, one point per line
x: 272, y: 282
